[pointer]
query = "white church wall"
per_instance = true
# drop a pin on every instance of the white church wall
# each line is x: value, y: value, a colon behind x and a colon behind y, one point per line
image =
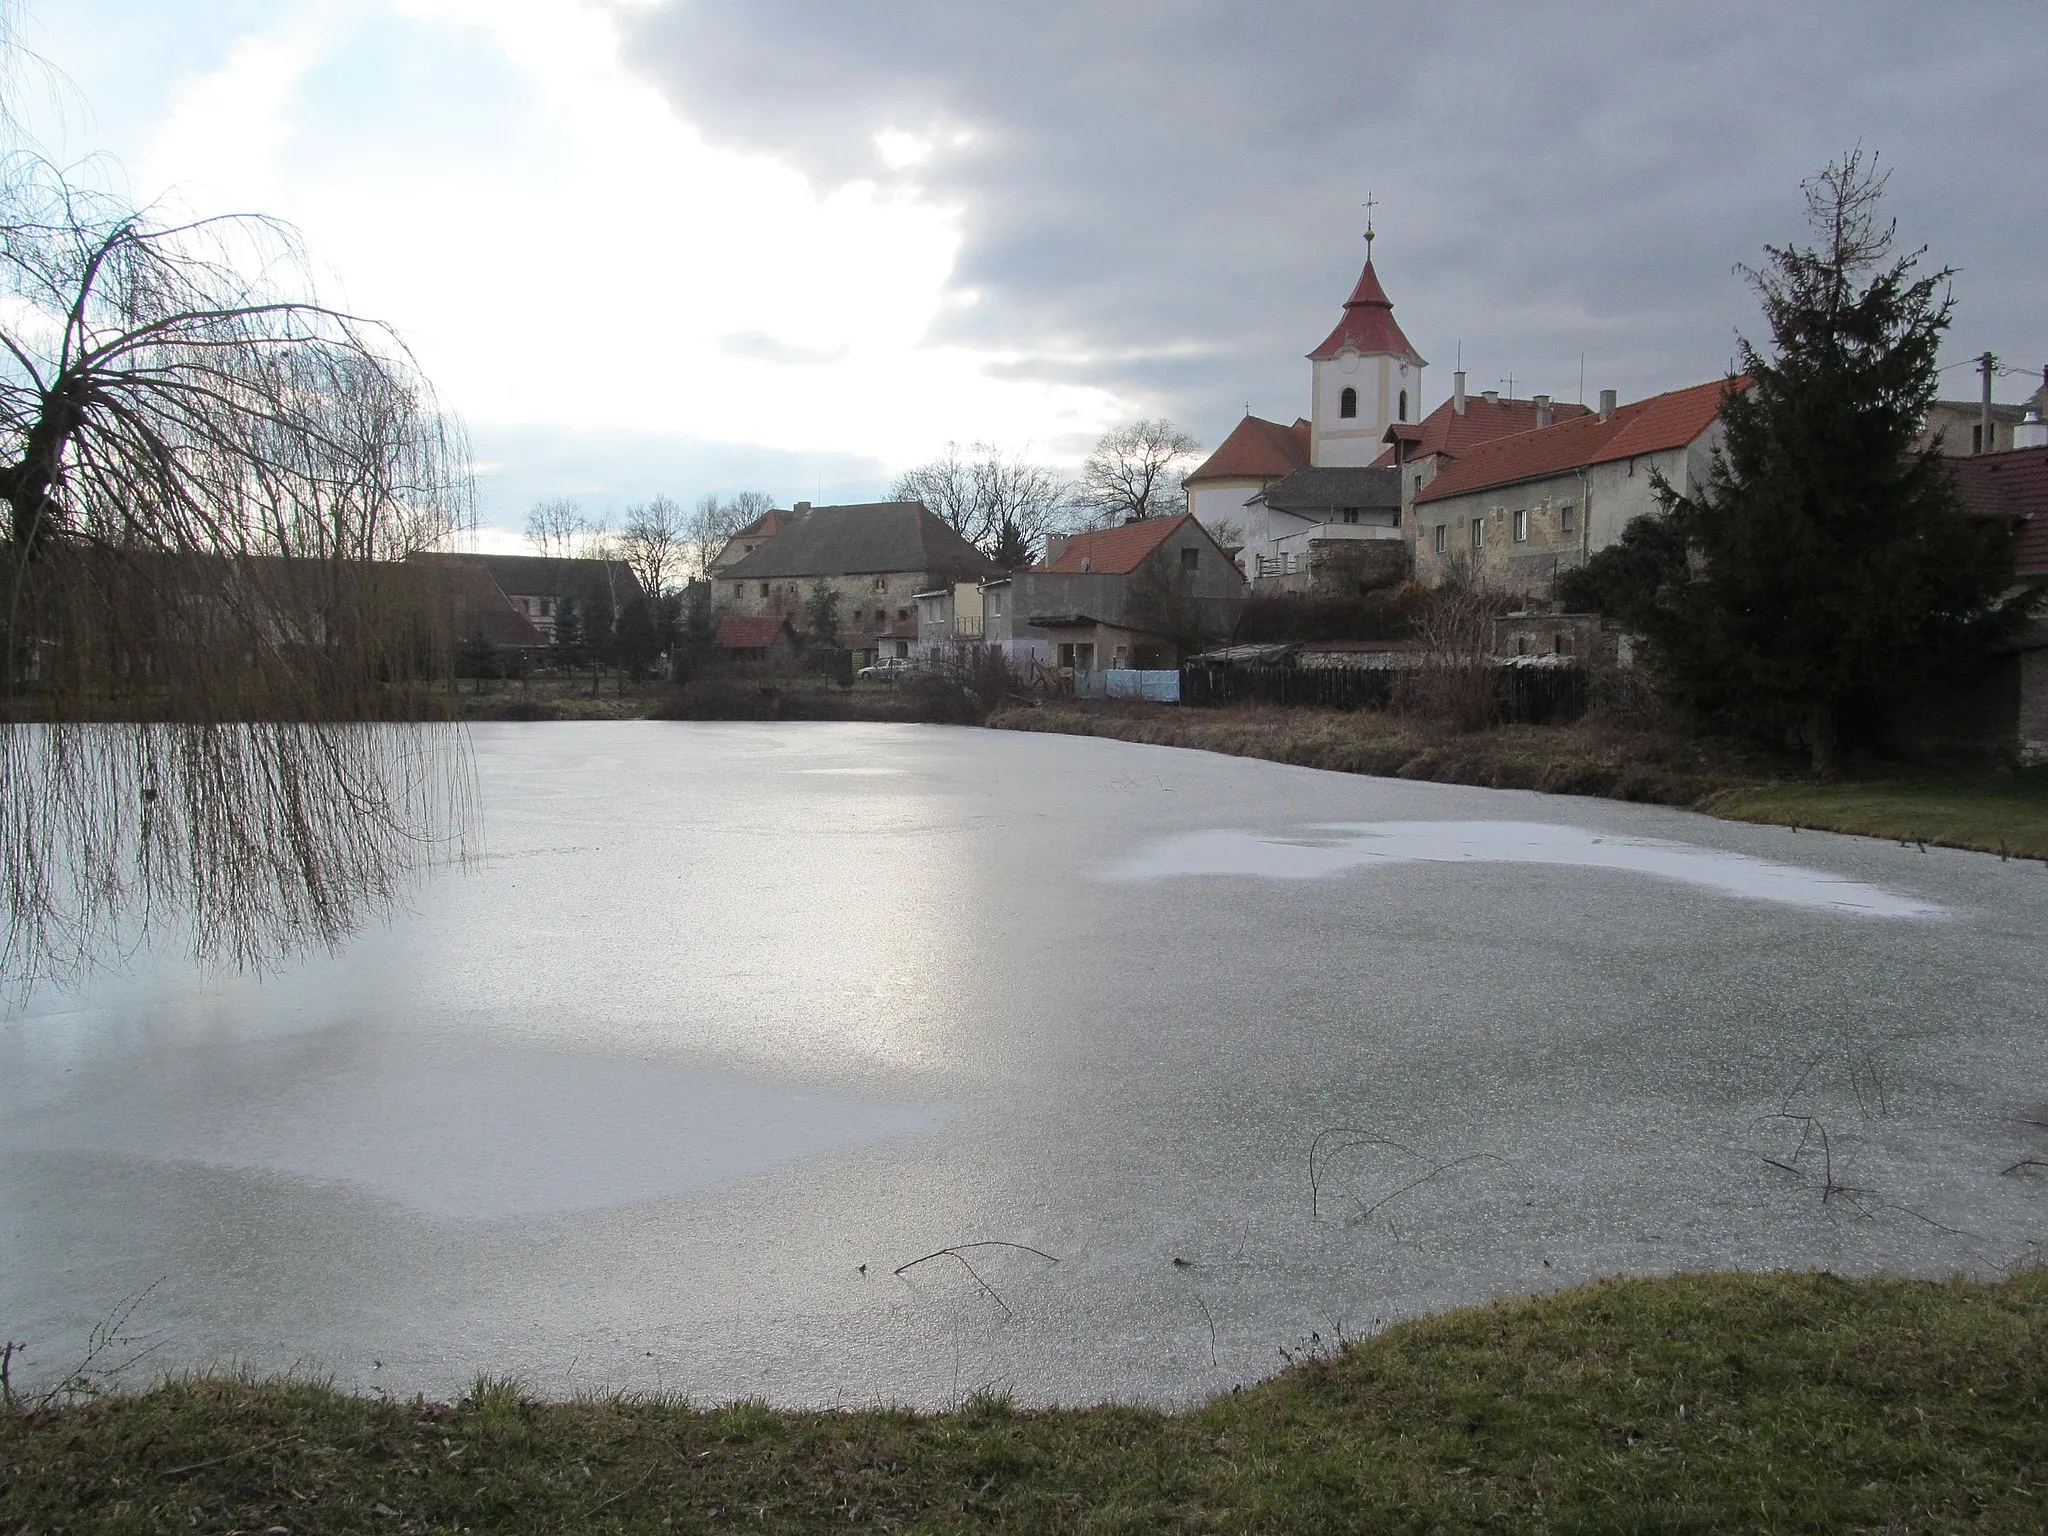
x: 1341, y: 442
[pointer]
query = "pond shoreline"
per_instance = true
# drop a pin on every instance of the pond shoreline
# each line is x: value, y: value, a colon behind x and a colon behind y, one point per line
x: 1711, y: 1401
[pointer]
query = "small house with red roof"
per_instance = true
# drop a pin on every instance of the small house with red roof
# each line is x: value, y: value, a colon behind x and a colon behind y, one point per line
x: 1138, y: 595
x: 755, y: 639
x: 1516, y: 511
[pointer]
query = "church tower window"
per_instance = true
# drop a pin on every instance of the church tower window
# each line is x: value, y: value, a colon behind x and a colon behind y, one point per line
x: 1347, y: 403
x: 1404, y: 405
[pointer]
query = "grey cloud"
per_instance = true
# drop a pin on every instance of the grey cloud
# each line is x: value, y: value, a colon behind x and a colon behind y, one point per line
x: 609, y: 470
x: 1146, y: 176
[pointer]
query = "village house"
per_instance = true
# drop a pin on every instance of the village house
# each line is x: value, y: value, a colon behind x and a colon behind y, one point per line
x: 1125, y: 597
x: 875, y: 557
x: 533, y: 586
x: 2008, y: 706
x: 1331, y: 533
x: 752, y: 537
x: 766, y: 640
x: 1515, y: 512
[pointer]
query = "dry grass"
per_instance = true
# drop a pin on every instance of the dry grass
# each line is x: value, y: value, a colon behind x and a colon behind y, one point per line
x: 1693, y: 1403
x: 1661, y: 765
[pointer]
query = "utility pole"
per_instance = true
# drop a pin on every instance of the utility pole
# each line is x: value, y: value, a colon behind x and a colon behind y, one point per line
x: 1987, y: 365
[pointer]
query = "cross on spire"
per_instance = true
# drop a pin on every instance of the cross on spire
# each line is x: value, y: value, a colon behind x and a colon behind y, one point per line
x: 1370, y: 203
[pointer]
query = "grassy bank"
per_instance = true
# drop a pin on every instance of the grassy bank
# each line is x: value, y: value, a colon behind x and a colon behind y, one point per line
x: 1696, y: 1403
x: 1997, y: 813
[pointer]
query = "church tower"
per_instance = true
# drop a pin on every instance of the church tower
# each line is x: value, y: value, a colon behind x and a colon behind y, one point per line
x: 1366, y: 375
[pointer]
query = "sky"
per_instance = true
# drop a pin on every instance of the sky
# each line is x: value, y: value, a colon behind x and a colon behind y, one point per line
x: 700, y: 246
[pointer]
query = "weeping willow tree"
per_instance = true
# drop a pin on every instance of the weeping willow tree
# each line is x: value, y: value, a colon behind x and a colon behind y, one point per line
x: 217, y: 669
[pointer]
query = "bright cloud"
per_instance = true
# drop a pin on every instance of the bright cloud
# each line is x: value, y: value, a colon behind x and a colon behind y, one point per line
x: 562, y: 249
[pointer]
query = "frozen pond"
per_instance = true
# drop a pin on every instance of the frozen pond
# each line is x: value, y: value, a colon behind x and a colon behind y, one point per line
x: 732, y: 1021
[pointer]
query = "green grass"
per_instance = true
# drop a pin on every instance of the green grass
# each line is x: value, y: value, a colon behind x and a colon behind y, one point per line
x: 1695, y: 1403
x: 1999, y: 813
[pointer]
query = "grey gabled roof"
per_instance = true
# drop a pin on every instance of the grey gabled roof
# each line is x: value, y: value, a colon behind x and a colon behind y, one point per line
x: 1323, y: 490
x: 872, y: 538
x: 541, y: 576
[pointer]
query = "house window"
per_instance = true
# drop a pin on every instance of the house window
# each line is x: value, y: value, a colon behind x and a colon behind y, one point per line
x: 881, y: 584
x: 1404, y: 405
x: 1418, y: 485
x: 739, y: 589
x: 1977, y: 438
x: 902, y: 613
x: 764, y: 589
x: 1351, y: 514
x: 1479, y: 533
x: 1521, y: 525
x: 1443, y: 537
x: 1347, y: 403
x: 1191, y: 559
x: 1567, y: 516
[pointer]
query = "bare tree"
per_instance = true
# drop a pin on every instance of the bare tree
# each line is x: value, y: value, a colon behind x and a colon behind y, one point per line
x: 556, y: 527
x: 713, y: 522
x: 978, y: 492
x: 652, y: 543
x: 209, y: 481
x: 1136, y: 471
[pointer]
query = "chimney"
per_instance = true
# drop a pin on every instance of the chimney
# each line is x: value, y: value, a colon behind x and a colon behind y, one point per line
x: 1055, y: 544
x: 1608, y: 398
x: 1490, y: 396
x: 2031, y: 433
x: 1542, y: 404
x: 1458, y: 392
x: 801, y: 508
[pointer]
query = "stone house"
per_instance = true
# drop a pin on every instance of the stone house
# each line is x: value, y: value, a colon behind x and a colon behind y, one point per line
x: 876, y: 557
x: 1130, y: 596
x: 752, y: 537
x: 1517, y: 511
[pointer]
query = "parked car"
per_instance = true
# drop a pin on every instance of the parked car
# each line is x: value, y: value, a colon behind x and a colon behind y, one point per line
x: 889, y: 669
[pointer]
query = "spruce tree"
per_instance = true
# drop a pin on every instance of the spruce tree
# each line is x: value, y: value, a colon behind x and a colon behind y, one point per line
x: 1824, y: 562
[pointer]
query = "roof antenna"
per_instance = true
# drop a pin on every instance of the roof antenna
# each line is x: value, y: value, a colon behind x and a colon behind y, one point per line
x: 1582, y: 378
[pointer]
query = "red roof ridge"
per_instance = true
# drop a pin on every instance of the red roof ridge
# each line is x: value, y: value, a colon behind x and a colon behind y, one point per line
x: 1256, y: 449
x: 1113, y: 551
x: 1651, y: 425
x: 747, y: 632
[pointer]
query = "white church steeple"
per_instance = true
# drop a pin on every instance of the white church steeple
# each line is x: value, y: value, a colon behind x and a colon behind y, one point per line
x: 1365, y: 375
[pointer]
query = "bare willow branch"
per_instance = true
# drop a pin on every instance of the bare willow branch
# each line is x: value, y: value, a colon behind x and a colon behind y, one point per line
x: 210, y: 485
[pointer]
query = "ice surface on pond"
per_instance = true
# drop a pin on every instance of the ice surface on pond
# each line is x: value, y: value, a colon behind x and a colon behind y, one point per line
x: 471, y: 1133
x: 1365, y: 845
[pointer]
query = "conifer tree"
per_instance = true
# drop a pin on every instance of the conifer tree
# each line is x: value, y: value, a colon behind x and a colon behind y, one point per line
x: 1825, y: 561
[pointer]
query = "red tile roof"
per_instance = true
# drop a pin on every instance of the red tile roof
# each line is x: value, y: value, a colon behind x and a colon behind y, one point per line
x: 1257, y: 449
x: 2013, y: 485
x: 1446, y: 432
x: 752, y: 634
x: 1643, y: 426
x: 1368, y: 324
x: 1114, y: 551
